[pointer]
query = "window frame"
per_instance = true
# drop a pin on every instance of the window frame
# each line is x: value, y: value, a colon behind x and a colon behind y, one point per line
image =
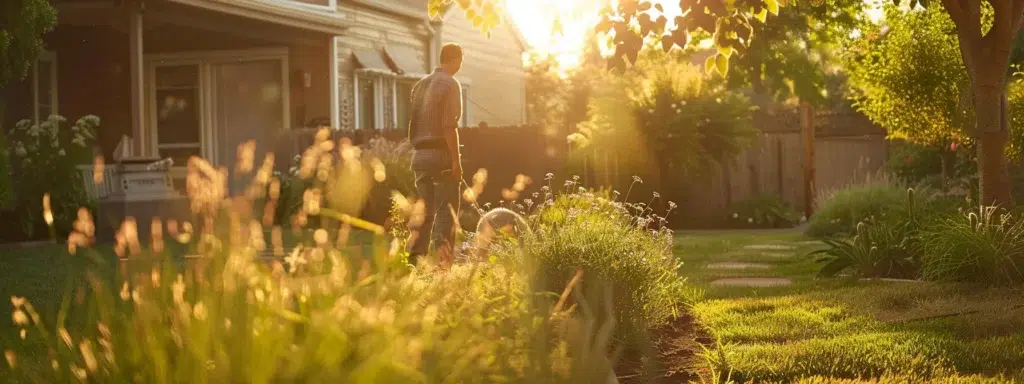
x: 399, y: 82
x: 50, y: 58
x: 332, y: 5
x: 466, y: 117
x: 205, y: 60
x: 381, y: 82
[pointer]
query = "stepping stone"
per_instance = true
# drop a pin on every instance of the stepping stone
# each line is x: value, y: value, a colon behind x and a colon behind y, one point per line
x: 737, y: 265
x: 888, y: 280
x: 751, y: 282
x: 770, y: 247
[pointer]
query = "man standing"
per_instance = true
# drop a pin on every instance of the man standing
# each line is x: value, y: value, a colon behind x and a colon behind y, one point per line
x: 436, y: 162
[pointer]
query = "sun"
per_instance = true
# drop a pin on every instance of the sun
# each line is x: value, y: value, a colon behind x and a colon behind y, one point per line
x: 559, y: 28
x: 536, y: 20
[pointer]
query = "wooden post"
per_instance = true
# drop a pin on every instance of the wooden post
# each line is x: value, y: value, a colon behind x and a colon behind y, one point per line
x: 807, y: 130
x: 137, y: 73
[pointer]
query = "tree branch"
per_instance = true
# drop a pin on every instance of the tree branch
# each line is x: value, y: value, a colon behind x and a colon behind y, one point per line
x: 966, y: 14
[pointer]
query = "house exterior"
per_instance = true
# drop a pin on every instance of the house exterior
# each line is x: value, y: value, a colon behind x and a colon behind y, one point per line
x: 200, y: 77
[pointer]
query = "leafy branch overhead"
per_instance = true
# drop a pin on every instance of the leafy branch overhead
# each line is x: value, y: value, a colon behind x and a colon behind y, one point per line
x: 728, y: 21
x: 632, y: 21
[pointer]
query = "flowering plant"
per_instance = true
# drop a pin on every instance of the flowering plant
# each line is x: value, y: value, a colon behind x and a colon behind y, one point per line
x: 50, y: 152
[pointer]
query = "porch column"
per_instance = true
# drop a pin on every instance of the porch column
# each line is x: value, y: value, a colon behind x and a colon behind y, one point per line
x: 335, y: 83
x: 137, y: 73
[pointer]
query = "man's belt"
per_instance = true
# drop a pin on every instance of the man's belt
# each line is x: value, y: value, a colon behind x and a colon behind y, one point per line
x: 434, y: 143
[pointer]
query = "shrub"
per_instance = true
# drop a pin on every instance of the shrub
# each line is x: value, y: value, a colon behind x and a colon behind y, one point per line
x: 319, y: 315
x: 51, y: 153
x: 885, y: 247
x: 612, y: 245
x: 6, y: 188
x: 765, y: 211
x: 980, y: 247
x: 838, y: 212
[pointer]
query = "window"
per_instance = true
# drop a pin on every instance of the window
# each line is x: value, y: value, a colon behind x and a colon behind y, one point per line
x: 207, y: 103
x: 178, y: 122
x: 403, y: 96
x: 366, y: 102
x: 44, y: 87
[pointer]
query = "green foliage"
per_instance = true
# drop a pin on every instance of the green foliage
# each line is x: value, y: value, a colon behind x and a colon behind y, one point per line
x: 6, y: 186
x: 22, y: 25
x: 841, y: 211
x: 664, y: 117
x: 886, y: 247
x: 793, y: 53
x: 764, y: 211
x: 936, y: 167
x: 910, y: 79
x: 50, y: 152
x: 878, y: 250
x: 980, y: 247
x: 609, y: 242
x: 322, y: 314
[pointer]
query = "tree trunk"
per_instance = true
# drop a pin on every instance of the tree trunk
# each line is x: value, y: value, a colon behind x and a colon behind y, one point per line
x: 993, y: 130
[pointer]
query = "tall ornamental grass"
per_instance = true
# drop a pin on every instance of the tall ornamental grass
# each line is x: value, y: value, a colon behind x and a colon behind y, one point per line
x: 623, y: 245
x: 320, y: 313
x: 981, y: 246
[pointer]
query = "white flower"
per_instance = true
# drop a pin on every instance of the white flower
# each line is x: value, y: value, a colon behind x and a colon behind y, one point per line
x: 750, y: 220
x: 20, y: 150
x: 62, y: 153
x: 735, y: 215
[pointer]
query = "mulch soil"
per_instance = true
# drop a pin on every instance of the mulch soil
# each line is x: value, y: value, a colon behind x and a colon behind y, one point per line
x: 675, y: 348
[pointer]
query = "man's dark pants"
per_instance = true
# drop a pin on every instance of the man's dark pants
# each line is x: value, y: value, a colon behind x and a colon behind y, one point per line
x: 440, y: 194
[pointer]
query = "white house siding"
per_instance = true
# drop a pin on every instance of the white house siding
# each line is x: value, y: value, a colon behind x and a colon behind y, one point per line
x: 374, y: 29
x: 493, y: 71
x: 494, y: 67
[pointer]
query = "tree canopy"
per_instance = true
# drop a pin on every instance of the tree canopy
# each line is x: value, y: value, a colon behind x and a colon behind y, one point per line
x: 22, y: 25
x: 794, y: 53
x: 908, y: 77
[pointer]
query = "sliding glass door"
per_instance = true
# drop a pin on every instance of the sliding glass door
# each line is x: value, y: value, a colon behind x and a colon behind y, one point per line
x: 247, y: 99
x: 207, y: 104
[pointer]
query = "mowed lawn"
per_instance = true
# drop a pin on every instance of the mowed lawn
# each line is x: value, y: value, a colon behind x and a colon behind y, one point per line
x: 844, y: 331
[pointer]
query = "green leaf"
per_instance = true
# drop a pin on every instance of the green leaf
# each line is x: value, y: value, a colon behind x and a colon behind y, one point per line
x: 722, y: 64
x: 773, y: 6
x: 725, y: 50
x: 763, y: 15
x: 709, y: 64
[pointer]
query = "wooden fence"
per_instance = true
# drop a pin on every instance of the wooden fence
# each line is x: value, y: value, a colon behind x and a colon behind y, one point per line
x: 846, y: 147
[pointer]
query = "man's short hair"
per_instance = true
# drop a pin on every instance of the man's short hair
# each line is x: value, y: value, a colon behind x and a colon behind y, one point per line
x: 450, y: 52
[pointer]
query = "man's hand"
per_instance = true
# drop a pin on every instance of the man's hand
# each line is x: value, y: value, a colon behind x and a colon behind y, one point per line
x: 457, y: 171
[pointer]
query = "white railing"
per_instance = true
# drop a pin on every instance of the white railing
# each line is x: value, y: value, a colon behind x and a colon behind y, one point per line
x: 106, y: 186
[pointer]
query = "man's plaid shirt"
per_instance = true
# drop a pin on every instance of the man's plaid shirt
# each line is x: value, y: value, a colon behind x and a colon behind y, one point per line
x: 436, y: 106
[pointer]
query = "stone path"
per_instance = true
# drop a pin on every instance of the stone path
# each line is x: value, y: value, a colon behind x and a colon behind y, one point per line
x: 752, y: 282
x: 768, y: 251
x: 737, y: 265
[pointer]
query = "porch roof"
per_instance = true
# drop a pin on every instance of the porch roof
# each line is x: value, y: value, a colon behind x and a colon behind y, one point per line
x: 313, y: 20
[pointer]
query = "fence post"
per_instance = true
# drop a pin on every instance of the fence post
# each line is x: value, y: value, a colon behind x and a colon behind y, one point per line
x: 807, y: 128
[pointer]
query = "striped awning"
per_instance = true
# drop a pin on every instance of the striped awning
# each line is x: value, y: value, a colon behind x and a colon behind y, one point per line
x: 370, y: 59
x: 406, y: 60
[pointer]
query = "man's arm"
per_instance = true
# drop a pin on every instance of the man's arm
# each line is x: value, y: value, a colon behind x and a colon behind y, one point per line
x: 453, y: 112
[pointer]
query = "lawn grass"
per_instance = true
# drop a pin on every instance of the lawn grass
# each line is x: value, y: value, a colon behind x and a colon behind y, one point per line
x: 41, y: 273
x: 828, y: 331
